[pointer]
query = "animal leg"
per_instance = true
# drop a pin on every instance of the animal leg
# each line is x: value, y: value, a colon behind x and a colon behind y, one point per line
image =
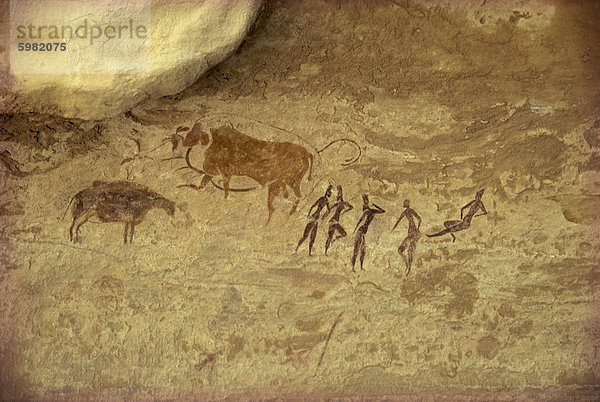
x: 71, y: 230
x: 77, y: 212
x: 295, y: 206
x: 131, y: 230
x: 77, y: 229
x: 205, y: 180
x: 226, y: 180
x: 274, y: 189
x: 80, y: 221
x: 298, y: 195
x: 125, y: 233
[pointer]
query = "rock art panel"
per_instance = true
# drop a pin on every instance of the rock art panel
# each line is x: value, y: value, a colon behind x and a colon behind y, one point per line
x: 380, y: 200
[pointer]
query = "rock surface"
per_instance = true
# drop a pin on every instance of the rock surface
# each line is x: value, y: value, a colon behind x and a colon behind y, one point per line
x: 213, y: 302
x: 183, y: 40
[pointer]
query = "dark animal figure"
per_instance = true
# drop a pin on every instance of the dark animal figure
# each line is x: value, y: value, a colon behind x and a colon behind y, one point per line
x: 274, y: 164
x: 464, y: 223
x: 409, y: 244
x: 339, y: 208
x: 366, y: 219
x: 278, y: 165
x: 313, y: 224
x: 119, y: 201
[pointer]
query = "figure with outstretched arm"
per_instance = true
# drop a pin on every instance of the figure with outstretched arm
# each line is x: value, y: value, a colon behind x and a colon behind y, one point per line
x: 312, y: 225
x: 362, y: 226
x: 455, y: 226
x: 339, y: 208
x: 409, y: 244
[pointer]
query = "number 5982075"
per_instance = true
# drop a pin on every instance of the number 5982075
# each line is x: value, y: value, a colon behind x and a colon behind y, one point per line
x: 42, y: 47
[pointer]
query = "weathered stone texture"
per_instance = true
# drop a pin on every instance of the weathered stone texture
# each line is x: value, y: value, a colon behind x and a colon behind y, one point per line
x: 213, y: 302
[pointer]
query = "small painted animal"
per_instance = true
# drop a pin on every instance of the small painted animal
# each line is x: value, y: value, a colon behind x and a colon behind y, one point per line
x: 119, y: 201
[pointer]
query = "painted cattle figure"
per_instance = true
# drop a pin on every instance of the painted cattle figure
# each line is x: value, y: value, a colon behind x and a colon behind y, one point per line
x: 277, y: 165
x: 119, y: 201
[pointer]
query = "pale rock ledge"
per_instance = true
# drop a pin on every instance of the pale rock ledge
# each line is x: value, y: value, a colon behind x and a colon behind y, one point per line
x: 186, y: 38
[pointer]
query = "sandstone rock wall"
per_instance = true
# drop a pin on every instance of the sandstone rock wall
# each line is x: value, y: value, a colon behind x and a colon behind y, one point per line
x: 444, y: 100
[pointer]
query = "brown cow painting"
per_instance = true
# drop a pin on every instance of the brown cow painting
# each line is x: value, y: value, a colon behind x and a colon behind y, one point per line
x: 278, y: 165
x: 119, y: 201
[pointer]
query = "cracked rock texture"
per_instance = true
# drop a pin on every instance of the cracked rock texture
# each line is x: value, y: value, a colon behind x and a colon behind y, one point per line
x: 445, y: 99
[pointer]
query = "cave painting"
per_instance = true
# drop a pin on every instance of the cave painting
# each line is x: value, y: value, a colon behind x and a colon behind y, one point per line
x: 409, y: 244
x: 278, y: 165
x: 458, y: 225
x: 365, y: 220
x: 119, y: 201
x: 313, y: 224
x: 340, y: 207
x: 231, y: 153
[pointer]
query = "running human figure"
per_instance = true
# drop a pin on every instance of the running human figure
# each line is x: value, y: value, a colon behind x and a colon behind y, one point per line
x: 364, y: 222
x: 464, y: 223
x: 339, y: 208
x: 409, y: 244
x: 313, y: 224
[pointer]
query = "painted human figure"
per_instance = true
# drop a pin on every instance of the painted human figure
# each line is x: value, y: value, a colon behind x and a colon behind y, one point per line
x: 339, y: 208
x: 361, y: 230
x: 409, y: 244
x: 456, y: 225
x: 313, y: 224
